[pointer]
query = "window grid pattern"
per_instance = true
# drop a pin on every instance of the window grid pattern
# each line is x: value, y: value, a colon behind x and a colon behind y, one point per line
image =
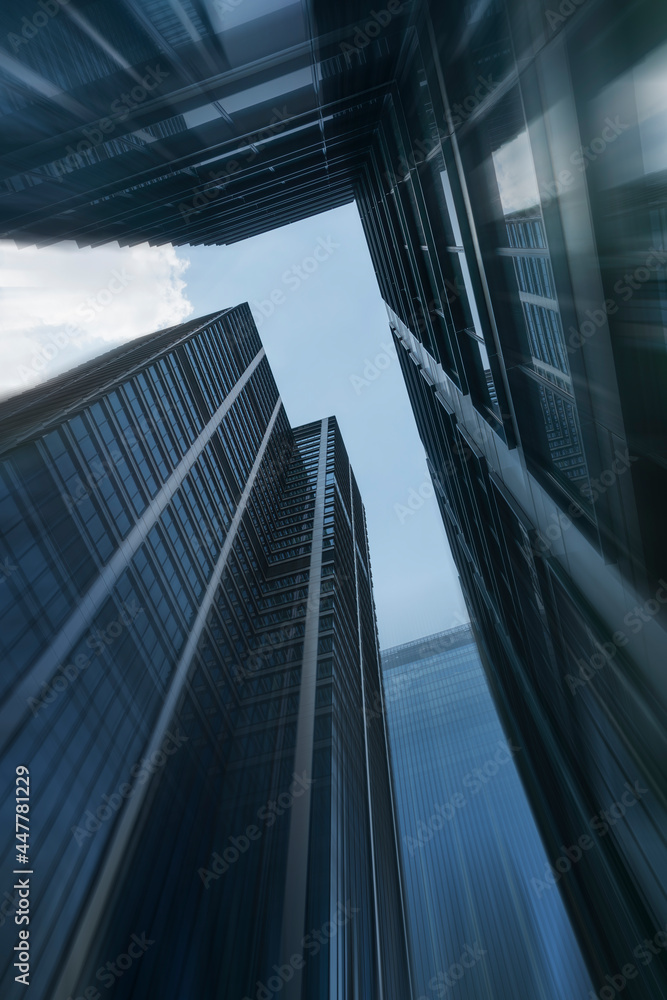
x: 468, y: 867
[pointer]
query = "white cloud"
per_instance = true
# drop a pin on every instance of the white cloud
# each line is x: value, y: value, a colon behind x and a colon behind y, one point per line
x: 61, y: 305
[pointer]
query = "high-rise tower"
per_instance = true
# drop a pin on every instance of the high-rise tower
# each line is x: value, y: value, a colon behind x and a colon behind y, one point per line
x: 485, y: 919
x: 190, y: 644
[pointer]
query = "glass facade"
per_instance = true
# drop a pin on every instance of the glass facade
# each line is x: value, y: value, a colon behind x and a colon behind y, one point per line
x: 482, y: 923
x: 507, y: 159
x: 190, y: 641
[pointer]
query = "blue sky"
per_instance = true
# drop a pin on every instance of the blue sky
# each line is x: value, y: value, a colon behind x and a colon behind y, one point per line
x: 323, y: 334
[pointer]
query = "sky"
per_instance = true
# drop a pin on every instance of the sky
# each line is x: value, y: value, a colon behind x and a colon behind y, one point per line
x: 317, y: 305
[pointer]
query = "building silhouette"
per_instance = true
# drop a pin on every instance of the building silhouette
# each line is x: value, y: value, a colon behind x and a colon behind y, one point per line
x: 190, y: 640
x: 483, y: 923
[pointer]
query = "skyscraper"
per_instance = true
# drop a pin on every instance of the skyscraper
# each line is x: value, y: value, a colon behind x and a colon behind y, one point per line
x: 190, y: 640
x: 483, y: 922
x: 508, y: 163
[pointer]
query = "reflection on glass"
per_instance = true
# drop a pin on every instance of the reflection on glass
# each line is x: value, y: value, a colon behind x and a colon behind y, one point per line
x: 515, y: 174
x: 544, y: 349
x: 563, y: 436
x: 468, y: 859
